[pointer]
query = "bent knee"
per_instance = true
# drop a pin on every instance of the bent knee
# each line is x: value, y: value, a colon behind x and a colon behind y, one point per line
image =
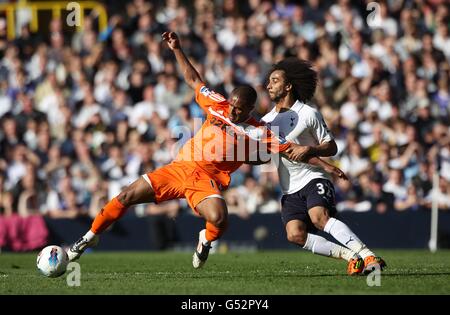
x: 297, y: 237
x: 126, y: 197
x: 218, y: 219
x: 214, y: 210
x: 320, y: 220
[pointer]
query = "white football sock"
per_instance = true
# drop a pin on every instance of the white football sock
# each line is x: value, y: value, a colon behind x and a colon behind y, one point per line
x: 319, y: 245
x: 340, y: 231
x: 89, y: 236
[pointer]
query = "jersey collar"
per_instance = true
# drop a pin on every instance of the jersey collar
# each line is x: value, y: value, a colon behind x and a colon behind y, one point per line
x: 295, y: 107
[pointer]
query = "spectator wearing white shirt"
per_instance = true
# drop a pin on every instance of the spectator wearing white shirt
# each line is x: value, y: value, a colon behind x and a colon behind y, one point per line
x: 354, y: 163
x: 441, y: 39
x: 381, y: 102
x: 395, y: 185
x: 89, y: 109
x: 350, y: 111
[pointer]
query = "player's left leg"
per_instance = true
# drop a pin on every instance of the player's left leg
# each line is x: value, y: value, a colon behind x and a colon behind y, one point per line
x: 320, y: 217
x: 296, y: 231
x: 321, y: 210
x: 214, y: 210
x: 301, y: 231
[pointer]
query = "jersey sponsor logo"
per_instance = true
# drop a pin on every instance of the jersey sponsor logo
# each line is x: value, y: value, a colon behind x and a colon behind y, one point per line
x: 243, y: 130
x: 253, y: 132
x: 221, y: 124
x: 223, y: 121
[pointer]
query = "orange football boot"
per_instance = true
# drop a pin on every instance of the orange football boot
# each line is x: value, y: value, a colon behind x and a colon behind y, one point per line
x: 355, y: 266
x: 371, y: 262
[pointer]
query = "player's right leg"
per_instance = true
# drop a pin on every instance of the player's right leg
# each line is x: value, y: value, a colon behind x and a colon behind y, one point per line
x: 214, y: 210
x: 296, y: 232
x: 138, y: 192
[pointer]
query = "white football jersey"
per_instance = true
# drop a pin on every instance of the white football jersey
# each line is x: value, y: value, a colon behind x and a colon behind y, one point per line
x: 304, y: 125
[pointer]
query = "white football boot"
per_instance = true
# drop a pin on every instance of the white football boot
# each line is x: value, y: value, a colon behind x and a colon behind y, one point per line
x: 202, y: 251
x: 77, y: 249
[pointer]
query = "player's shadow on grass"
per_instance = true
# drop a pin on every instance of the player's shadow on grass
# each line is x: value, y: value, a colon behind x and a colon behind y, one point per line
x: 264, y: 276
x: 417, y: 273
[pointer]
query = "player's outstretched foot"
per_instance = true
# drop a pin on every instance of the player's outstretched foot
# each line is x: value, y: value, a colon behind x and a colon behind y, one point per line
x: 201, y: 253
x: 355, y: 266
x: 80, y: 246
x: 372, y: 262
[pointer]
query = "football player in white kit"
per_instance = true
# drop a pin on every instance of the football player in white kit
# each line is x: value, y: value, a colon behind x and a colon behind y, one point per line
x: 308, y: 201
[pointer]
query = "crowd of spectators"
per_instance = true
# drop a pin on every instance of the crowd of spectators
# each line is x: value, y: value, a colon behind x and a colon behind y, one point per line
x: 84, y: 113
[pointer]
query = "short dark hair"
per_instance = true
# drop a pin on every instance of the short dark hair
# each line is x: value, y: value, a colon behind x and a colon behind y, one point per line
x: 247, y: 94
x: 300, y: 74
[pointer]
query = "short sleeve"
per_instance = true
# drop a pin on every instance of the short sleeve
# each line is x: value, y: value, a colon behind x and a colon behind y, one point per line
x: 319, y: 128
x: 206, y: 97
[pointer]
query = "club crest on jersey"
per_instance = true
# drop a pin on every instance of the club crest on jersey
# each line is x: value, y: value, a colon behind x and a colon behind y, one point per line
x: 292, y: 121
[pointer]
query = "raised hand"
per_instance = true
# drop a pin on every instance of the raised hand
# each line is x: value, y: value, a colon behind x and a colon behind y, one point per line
x: 172, y: 40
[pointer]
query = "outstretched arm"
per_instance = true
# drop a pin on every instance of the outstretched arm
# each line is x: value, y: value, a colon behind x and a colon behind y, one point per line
x: 315, y: 161
x: 290, y: 150
x: 191, y: 76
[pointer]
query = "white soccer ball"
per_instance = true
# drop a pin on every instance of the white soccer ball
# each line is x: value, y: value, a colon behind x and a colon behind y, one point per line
x: 52, y: 261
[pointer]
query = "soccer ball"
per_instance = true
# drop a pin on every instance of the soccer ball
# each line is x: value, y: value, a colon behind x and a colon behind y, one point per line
x: 52, y: 261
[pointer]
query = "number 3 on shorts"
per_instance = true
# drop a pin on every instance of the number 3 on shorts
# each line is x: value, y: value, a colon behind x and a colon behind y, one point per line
x: 320, y: 189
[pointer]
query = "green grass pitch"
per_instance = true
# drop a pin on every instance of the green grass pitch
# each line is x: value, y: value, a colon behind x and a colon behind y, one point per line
x: 260, y: 273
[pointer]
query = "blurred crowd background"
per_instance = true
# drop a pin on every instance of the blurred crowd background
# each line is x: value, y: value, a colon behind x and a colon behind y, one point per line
x: 84, y: 113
